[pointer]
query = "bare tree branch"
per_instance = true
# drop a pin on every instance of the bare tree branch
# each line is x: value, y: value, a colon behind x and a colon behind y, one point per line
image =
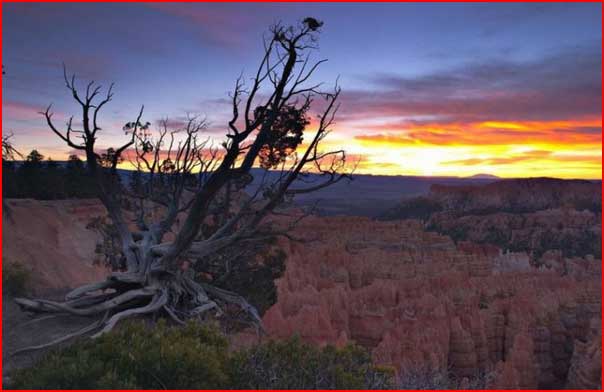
x: 207, y: 200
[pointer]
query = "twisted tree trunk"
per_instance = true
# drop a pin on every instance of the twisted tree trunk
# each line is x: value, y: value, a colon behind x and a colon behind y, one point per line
x: 154, y: 281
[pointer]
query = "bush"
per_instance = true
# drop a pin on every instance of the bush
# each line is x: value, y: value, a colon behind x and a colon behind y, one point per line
x: 137, y: 356
x: 439, y: 379
x: 292, y: 364
x: 15, y: 279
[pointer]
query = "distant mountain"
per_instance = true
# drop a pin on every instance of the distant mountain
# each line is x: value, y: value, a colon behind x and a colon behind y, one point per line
x: 373, y: 195
x: 484, y: 176
x: 365, y: 195
x: 368, y: 195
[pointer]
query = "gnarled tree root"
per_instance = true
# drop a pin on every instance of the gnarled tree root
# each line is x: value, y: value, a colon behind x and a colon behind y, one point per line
x: 81, y: 332
x: 123, y: 296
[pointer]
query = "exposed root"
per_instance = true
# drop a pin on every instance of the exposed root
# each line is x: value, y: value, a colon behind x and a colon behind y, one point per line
x: 233, y: 298
x: 82, y: 290
x: 41, y: 305
x: 203, y: 308
x: 127, y: 277
x: 38, y: 319
x: 180, y: 297
x: 173, y: 315
x: 156, y: 303
x: 90, y: 300
x: 81, y: 332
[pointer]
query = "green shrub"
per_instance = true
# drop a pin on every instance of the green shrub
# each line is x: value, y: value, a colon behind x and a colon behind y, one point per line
x: 292, y: 364
x: 15, y: 279
x: 439, y: 379
x: 135, y: 356
x: 140, y: 356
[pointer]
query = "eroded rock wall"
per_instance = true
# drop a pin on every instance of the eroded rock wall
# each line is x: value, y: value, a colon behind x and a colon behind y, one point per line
x: 51, y: 239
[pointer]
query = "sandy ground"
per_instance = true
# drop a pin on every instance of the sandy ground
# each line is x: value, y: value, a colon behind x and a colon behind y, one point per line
x: 19, y: 331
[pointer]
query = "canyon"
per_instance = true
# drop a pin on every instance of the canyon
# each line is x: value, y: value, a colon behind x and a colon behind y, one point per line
x: 420, y: 302
x: 415, y: 298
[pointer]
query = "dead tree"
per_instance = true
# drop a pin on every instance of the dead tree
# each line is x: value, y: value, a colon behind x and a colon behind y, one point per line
x: 9, y: 154
x: 194, y: 184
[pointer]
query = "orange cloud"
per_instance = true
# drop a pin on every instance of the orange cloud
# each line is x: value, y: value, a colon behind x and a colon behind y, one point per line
x: 494, y: 160
x: 561, y: 148
x: 587, y: 131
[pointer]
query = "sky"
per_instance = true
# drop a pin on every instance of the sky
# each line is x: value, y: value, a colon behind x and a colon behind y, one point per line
x: 442, y: 89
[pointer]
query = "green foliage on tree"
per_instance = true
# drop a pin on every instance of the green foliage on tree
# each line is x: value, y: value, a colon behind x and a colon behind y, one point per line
x: 285, y: 135
x: 249, y: 271
x: 36, y: 178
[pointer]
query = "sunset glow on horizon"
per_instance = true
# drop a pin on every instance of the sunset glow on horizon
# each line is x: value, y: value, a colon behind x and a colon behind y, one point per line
x: 511, y: 94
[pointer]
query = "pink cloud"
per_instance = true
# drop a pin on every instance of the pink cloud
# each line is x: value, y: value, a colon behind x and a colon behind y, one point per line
x: 21, y: 111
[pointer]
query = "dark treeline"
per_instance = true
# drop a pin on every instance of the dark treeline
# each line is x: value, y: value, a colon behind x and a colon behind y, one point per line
x: 41, y: 179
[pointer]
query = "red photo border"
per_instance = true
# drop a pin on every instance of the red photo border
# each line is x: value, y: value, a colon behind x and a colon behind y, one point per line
x: 267, y: 1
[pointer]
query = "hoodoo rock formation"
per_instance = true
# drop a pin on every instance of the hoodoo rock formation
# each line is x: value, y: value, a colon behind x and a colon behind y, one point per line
x: 576, y: 233
x: 419, y: 301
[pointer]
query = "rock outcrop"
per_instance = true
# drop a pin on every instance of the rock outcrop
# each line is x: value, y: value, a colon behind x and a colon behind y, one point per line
x: 575, y: 233
x: 532, y: 215
x: 520, y: 195
x: 586, y: 362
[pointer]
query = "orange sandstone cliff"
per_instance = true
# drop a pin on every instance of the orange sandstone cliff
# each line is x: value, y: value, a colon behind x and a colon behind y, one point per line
x: 51, y: 238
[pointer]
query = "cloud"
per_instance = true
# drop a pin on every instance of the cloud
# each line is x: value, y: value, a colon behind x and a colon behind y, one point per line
x: 21, y: 111
x: 536, y: 156
x: 564, y: 85
x: 406, y: 133
x: 509, y: 159
x: 556, y: 100
x: 218, y: 25
x: 172, y: 123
